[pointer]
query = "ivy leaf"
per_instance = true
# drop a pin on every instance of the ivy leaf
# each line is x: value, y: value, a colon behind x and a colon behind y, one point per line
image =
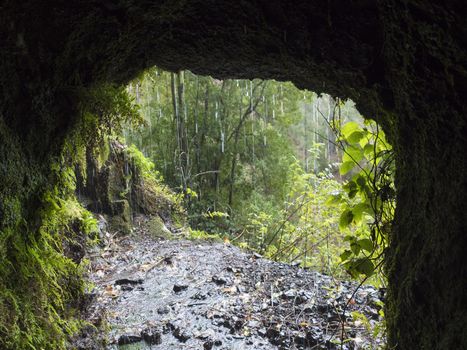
x: 345, y: 219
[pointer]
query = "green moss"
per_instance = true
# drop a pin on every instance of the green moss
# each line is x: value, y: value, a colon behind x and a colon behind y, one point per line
x: 121, y: 216
x: 157, y: 228
x: 39, y: 283
x: 145, y: 166
x: 151, y: 195
x: 203, y: 235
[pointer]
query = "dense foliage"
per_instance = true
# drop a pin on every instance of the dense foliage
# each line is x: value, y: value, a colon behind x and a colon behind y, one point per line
x: 270, y: 167
x: 41, y: 282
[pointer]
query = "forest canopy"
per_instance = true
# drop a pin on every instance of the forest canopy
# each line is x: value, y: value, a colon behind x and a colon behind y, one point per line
x: 293, y: 175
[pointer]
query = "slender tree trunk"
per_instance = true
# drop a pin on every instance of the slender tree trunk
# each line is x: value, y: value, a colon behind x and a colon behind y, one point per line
x: 202, y: 137
x: 182, y: 132
x: 196, y: 126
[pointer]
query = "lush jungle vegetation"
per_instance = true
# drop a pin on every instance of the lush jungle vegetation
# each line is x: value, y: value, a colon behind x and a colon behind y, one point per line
x: 297, y: 177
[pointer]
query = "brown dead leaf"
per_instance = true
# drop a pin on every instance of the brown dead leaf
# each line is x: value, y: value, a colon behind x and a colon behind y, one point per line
x: 110, y: 292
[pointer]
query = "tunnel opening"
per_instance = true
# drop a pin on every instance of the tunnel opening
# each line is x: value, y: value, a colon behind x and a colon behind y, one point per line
x: 225, y: 143
x: 402, y: 63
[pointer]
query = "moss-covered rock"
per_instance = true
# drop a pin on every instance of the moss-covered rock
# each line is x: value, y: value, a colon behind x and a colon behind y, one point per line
x: 121, y: 218
x: 126, y: 184
x: 157, y: 228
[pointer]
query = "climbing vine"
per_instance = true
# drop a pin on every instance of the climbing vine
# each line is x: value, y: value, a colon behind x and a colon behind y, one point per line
x: 368, y: 196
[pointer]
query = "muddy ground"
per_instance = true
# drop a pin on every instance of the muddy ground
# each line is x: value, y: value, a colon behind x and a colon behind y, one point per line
x: 155, y: 293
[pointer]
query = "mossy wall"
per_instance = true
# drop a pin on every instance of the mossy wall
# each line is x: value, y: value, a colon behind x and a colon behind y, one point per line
x: 123, y: 183
x: 427, y: 301
x: 404, y: 63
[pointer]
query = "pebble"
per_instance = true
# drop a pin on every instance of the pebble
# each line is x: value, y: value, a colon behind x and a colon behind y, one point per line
x: 213, y: 297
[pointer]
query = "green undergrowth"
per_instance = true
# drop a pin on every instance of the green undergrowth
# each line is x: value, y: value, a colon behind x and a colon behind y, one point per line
x: 203, y: 235
x: 155, y: 197
x: 153, y: 182
x: 41, y: 288
x: 40, y: 285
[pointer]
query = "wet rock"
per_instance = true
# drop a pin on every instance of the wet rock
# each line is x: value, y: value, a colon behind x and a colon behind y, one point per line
x: 124, y: 281
x: 219, y: 280
x: 101, y: 225
x: 128, y: 339
x: 275, y: 336
x: 298, y: 297
x: 306, y: 339
x: 163, y: 310
x: 152, y: 336
x: 214, y: 296
x: 179, y: 287
x: 199, y: 296
x: 181, y: 335
x: 208, y: 345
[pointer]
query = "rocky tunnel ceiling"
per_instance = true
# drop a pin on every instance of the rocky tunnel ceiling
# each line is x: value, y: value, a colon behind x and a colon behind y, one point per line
x: 325, y: 47
x: 403, y: 62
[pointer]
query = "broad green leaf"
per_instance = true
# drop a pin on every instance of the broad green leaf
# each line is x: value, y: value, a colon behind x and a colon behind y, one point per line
x: 345, y: 255
x: 346, y: 167
x: 369, y: 151
x: 345, y: 219
x: 350, y: 185
x: 352, y: 154
x: 355, y: 247
x: 359, y: 209
x: 364, y: 266
x: 366, y: 244
x: 355, y: 137
x: 361, y: 181
x: 349, y: 128
x: 352, y: 193
x: 351, y: 188
x: 334, y: 199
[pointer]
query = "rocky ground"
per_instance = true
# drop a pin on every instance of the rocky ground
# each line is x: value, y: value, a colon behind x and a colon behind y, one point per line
x: 155, y: 293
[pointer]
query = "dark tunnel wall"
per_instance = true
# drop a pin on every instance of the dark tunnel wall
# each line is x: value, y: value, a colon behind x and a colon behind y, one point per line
x: 404, y: 63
